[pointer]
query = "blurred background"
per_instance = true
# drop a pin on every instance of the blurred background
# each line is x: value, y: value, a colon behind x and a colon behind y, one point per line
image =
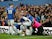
x: 30, y: 2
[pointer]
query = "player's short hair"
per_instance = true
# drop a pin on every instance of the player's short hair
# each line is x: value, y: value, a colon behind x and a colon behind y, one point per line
x: 11, y: 4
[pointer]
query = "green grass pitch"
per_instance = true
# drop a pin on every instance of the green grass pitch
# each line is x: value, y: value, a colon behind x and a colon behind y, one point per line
x: 6, y: 36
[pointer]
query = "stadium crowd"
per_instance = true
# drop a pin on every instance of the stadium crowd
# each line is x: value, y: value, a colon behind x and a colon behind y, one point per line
x: 27, y: 17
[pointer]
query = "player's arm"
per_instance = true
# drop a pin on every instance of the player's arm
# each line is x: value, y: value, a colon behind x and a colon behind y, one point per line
x: 27, y: 21
x: 14, y: 11
x: 47, y: 20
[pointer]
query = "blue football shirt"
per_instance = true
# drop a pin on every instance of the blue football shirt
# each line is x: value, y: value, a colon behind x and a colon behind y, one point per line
x: 10, y: 12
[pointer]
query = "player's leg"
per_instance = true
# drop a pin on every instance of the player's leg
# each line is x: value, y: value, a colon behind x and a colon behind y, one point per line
x: 23, y: 29
x: 40, y: 30
x: 13, y: 27
x: 9, y: 26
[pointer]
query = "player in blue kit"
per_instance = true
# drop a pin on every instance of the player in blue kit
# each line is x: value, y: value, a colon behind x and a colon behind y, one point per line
x: 10, y: 15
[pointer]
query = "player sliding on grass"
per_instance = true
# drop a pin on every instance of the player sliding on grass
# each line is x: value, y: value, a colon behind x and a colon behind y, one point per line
x: 24, y: 23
